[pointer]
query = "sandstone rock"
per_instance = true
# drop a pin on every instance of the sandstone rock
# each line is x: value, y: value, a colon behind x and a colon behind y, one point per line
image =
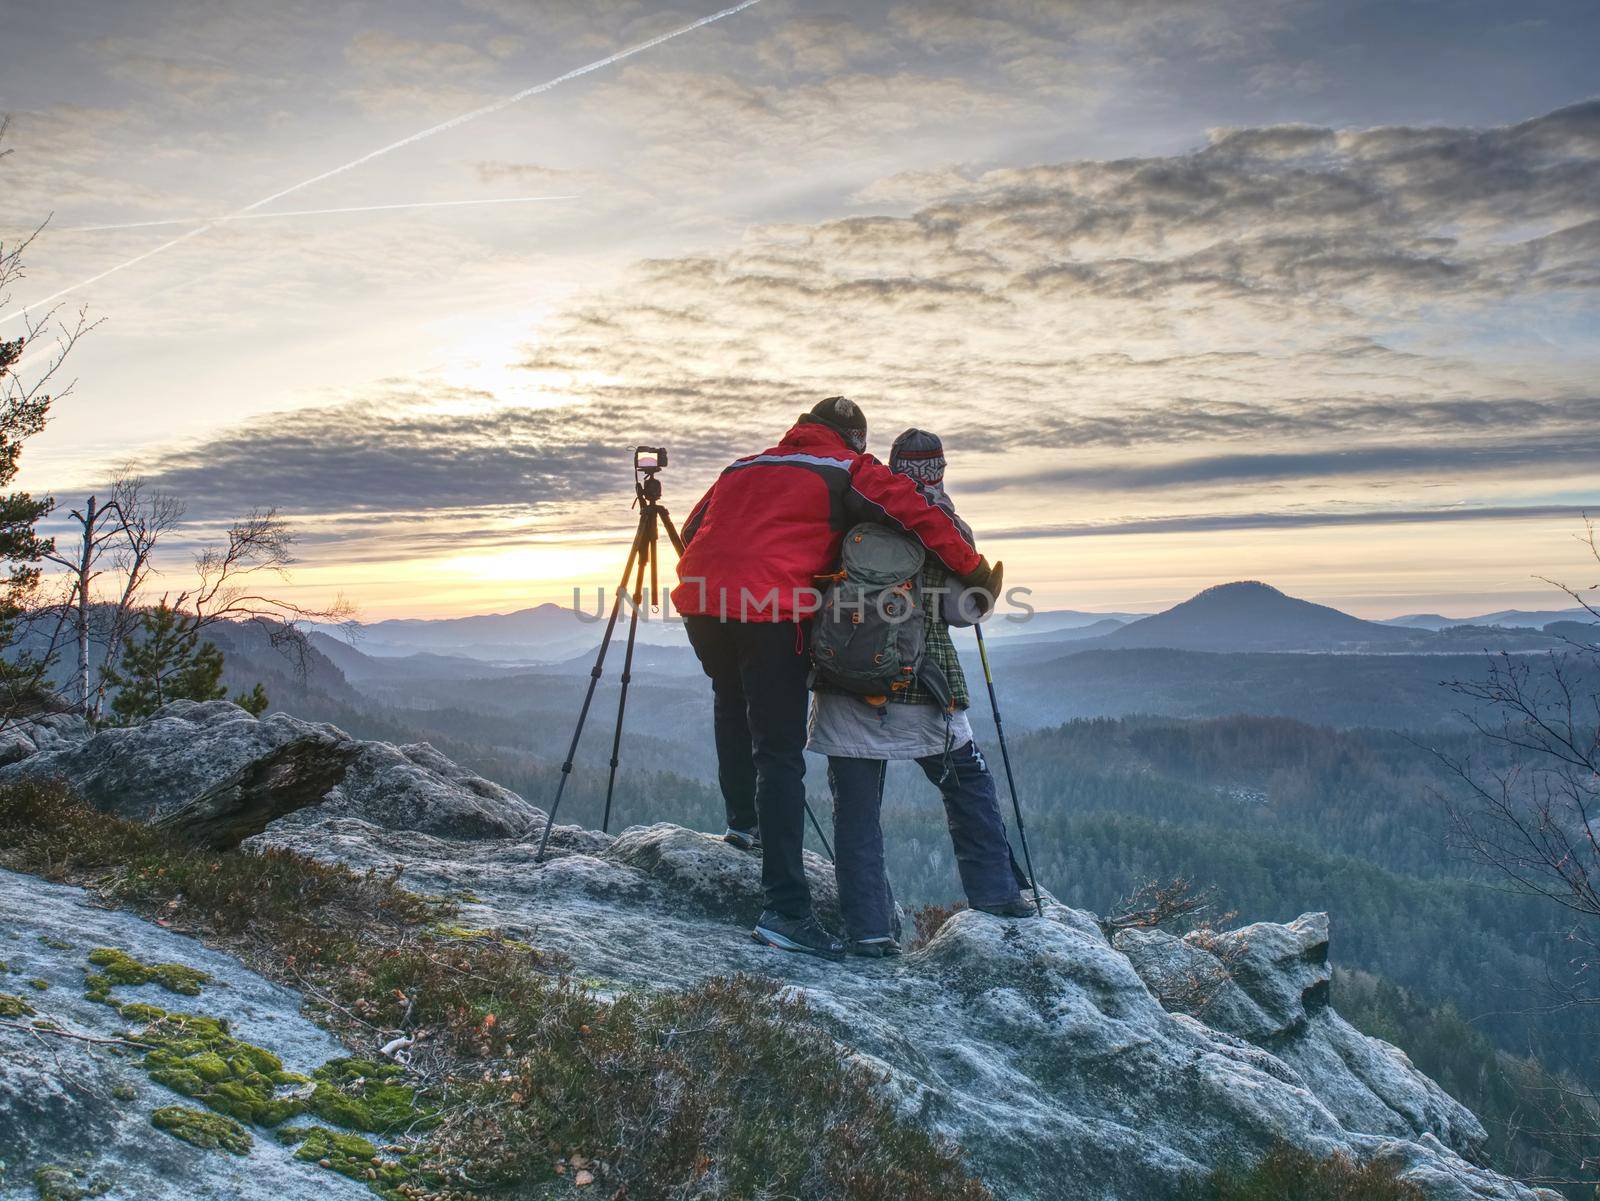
x: 48, y: 732
x: 1042, y: 1048
x: 1268, y: 985
x: 66, y: 1104
x: 283, y: 781
x: 147, y: 771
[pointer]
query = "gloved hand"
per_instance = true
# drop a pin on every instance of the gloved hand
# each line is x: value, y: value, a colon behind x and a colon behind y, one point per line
x: 987, y: 579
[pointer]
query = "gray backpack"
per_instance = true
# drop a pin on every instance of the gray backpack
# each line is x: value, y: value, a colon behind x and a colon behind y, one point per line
x: 869, y: 637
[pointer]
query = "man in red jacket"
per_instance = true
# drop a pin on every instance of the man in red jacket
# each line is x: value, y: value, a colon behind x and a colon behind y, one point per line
x: 754, y: 547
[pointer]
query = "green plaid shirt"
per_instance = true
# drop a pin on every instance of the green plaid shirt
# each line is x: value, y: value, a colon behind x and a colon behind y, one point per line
x: 939, y: 647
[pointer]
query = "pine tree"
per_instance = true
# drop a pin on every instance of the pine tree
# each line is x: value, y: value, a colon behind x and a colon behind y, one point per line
x: 169, y: 663
x: 253, y: 702
x: 21, y: 416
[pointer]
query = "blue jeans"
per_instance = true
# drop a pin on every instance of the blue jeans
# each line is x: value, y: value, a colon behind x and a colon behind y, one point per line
x: 977, y: 833
x: 759, y: 677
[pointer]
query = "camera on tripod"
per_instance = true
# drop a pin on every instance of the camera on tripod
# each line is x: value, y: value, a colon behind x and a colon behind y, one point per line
x: 643, y: 562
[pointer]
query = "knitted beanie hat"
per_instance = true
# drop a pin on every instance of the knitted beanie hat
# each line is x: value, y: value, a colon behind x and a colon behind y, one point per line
x: 844, y: 415
x: 920, y: 455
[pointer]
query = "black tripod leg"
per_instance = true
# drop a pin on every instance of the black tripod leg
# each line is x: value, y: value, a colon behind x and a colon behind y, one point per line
x: 672, y: 530
x: 627, y: 678
x: 588, y: 699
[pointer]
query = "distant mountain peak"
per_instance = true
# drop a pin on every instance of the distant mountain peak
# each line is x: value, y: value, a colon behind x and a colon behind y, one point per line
x: 1237, y: 590
x: 1250, y: 615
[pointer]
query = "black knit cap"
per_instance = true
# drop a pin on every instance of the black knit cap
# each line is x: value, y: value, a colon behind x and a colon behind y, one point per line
x: 844, y: 415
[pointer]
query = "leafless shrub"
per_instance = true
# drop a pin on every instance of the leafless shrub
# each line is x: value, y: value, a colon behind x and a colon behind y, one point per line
x: 1531, y: 814
x: 233, y: 584
x: 930, y: 919
x: 1155, y: 904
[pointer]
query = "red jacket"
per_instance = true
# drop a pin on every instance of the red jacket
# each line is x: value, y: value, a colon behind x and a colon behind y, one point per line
x: 773, y: 522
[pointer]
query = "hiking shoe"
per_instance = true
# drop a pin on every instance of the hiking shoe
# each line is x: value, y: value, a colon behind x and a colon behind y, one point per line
x: 1016, y: 908
x: 745, y: 840
x: 875, y: 948
x: 803, y: 934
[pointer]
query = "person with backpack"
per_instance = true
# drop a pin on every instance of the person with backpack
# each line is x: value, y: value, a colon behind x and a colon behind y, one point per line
x: 754, y: 549
x: 889, y: 686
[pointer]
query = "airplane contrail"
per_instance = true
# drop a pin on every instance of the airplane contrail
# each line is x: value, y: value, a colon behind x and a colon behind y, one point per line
x: 354, y: 208
x: 484, y: 111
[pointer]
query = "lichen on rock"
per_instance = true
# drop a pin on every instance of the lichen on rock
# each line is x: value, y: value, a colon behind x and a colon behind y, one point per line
x: 56, y: 1183
x: 196, y: 1056
x: 349, y: 1155
x: 119, y: 967
x: 365, y: 1095
x: 210, y: 1131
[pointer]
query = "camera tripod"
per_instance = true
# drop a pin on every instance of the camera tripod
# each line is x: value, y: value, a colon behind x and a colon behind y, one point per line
x: 646, y: 553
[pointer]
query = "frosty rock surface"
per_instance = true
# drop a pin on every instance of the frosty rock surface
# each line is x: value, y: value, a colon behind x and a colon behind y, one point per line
x: 67, y: 1104
x: 145, y: 771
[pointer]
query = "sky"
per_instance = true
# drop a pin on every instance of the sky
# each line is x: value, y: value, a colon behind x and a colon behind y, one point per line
x: 1265, y: 289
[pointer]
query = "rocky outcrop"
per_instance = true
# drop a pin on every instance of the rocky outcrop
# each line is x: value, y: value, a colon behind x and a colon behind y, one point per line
x: 1065, y: 1064
x: 48, y: 732
x: 285, y: 780
x: 187, y: 749
x: 1268, y: 985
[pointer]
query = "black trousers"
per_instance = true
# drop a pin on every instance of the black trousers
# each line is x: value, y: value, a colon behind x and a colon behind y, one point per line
x: 759, y: 673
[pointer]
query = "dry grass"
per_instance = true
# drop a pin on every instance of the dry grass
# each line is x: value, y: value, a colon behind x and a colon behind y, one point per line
x: 1288, y: 1174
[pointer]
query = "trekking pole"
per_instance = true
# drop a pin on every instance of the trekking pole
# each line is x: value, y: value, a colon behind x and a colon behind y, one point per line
x: 817, y: 826
x: 1005, y: 757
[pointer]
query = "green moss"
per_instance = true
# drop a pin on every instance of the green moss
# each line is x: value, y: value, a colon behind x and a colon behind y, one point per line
x: 467, y: 932
x: 138, y: 1011
x: 124, y: 1092
x: 118, y: 967
x: 55, y: 944
x: 365, y: 1095
x: 39, y: 983
x: 208, y: 1130
x: 63, y: 1184
x: 14, y: 1007
x: 196, y: 1056
x: 353, y: 1156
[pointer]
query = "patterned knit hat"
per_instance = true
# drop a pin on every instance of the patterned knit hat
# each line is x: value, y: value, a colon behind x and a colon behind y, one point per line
x: 843, y: 415
x: 920, y: 455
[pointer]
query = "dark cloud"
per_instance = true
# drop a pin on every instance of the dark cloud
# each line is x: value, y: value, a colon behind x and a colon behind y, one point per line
x: 1205, y: 522
x: 367, y: 458
x: 1418, y: 462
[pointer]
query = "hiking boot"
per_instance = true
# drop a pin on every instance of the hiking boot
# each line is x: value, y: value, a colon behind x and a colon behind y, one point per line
x: 745, y: 840
x: 885, y: 947
x: 1016, y: 908
x: 803, y: 934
